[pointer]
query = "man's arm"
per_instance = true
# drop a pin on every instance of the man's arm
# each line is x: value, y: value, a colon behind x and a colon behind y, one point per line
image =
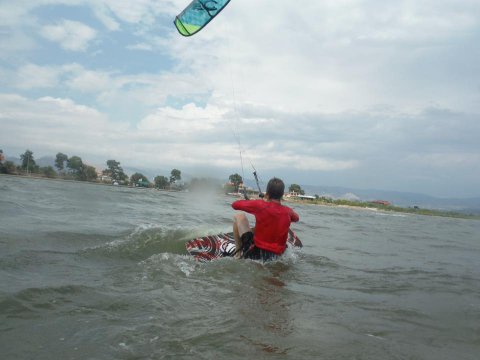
x: 245, y: 205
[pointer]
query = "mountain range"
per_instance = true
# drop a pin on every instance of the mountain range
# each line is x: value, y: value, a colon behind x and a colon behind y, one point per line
x: 397, y: 198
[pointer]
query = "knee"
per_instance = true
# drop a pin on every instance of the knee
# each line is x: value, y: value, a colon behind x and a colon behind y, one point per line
x: 239, y: 217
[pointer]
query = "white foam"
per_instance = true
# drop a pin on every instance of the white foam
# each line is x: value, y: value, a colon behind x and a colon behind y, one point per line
x: 186, y: 264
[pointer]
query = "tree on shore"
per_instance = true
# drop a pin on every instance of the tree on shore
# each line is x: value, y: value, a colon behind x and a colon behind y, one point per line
x: 81, y: 171
x: 28, y: 162
x: 175, y: 175
x: 89, y: 173
x: 161, y: 182
x: 139, y: 179
x: 2, y: 169
x: 6, y: 167
x: 9, y: 168
x: 115, y: 171
x: 236, y: 180
x: 75, y: 164
x: 60, y: 160
x: 49, y: 172
x: 296, y: 188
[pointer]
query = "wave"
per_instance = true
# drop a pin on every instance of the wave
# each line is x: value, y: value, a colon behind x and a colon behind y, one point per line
x: 391, y: 214
x: 171, y: 259
x: 147, y: 240
x: 26, y: 259
x: 27, y: 302
x: 167, y: 265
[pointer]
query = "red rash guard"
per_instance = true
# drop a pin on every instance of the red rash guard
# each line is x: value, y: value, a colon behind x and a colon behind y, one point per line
x: 272, y: 223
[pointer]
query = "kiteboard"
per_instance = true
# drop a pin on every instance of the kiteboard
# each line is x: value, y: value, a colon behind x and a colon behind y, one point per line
x: 212, y: 247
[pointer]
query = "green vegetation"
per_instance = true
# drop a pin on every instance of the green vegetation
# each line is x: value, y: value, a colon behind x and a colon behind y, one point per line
x: 60, y: 160
x: 75, y: 164
x: 72, y: 168
x: 175, y: 175
x: 81, y: 171
x: 161, y: 182
x: 165, y: 183
x: 296, y: 189
x: 114, y: 172
x: 49, y: 172
x: 236, y: 180
x: 9, y: 168
x: 6, y: 167
x: 28, y: 162
x: 2, y: 165
x: 139, y: 180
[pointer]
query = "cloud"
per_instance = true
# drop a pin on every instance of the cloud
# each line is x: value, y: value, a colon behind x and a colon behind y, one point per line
x: 104, y: 15
x: 31, y: 76
x: 191, y: 120
x: 141, y: 93
x: 445, y: 160
x: 191, y: 135
x: 360, y: 90
x: 140, y: 46
x: 87, y: 81
x: 112, y: 14
x: 390, y: 151
x: 14, y: 41
x: 141, y: 11
x: 352, y: 55
x: 56, y: 124
x: 71, y: 35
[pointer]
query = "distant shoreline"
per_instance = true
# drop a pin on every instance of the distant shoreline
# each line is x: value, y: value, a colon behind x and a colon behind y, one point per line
x: 366, y: 206
x: 37, y: 177
x: 363, y: 206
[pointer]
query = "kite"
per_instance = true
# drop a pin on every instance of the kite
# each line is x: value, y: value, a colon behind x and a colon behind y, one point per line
x: 198, y: 14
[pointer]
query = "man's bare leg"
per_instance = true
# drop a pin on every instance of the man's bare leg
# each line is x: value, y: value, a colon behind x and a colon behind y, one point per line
x: 240, y: 227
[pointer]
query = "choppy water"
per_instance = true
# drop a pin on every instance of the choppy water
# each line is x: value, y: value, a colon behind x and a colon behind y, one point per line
x: 98, y: 272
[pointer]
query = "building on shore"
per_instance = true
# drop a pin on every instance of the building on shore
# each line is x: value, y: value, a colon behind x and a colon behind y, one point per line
x: 381, y: 202
x: 306, y: 197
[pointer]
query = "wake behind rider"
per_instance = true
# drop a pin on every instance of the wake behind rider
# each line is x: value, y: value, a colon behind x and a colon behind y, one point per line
x: 272, y: 224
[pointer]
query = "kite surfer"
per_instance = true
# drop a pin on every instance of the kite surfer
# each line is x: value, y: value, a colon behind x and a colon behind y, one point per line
x: 272, y: 225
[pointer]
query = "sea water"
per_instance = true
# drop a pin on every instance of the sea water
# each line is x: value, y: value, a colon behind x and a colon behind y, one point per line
x: 100, y: 272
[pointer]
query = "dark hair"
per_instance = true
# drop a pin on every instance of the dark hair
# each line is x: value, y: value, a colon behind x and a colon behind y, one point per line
x: 275, y: 189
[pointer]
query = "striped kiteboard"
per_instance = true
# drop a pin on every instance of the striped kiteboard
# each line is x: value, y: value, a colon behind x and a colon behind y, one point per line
x: 211, y: 247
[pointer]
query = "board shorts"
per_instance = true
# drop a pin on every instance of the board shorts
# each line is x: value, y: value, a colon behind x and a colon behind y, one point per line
x: 250, y: 251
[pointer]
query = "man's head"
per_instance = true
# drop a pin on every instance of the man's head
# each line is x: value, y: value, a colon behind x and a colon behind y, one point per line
x: 275, y: 189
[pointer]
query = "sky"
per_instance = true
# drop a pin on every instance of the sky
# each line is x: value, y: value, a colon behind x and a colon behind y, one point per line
x: 372, y: 94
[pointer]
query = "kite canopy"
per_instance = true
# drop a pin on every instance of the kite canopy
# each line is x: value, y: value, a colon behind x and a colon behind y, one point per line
x: 198, y: 14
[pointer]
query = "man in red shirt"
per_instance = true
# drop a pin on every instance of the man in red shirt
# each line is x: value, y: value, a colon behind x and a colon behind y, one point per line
x: 271, y: 228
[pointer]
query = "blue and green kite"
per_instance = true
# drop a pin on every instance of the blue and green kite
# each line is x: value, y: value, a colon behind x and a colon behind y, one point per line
x: 198, y: 14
